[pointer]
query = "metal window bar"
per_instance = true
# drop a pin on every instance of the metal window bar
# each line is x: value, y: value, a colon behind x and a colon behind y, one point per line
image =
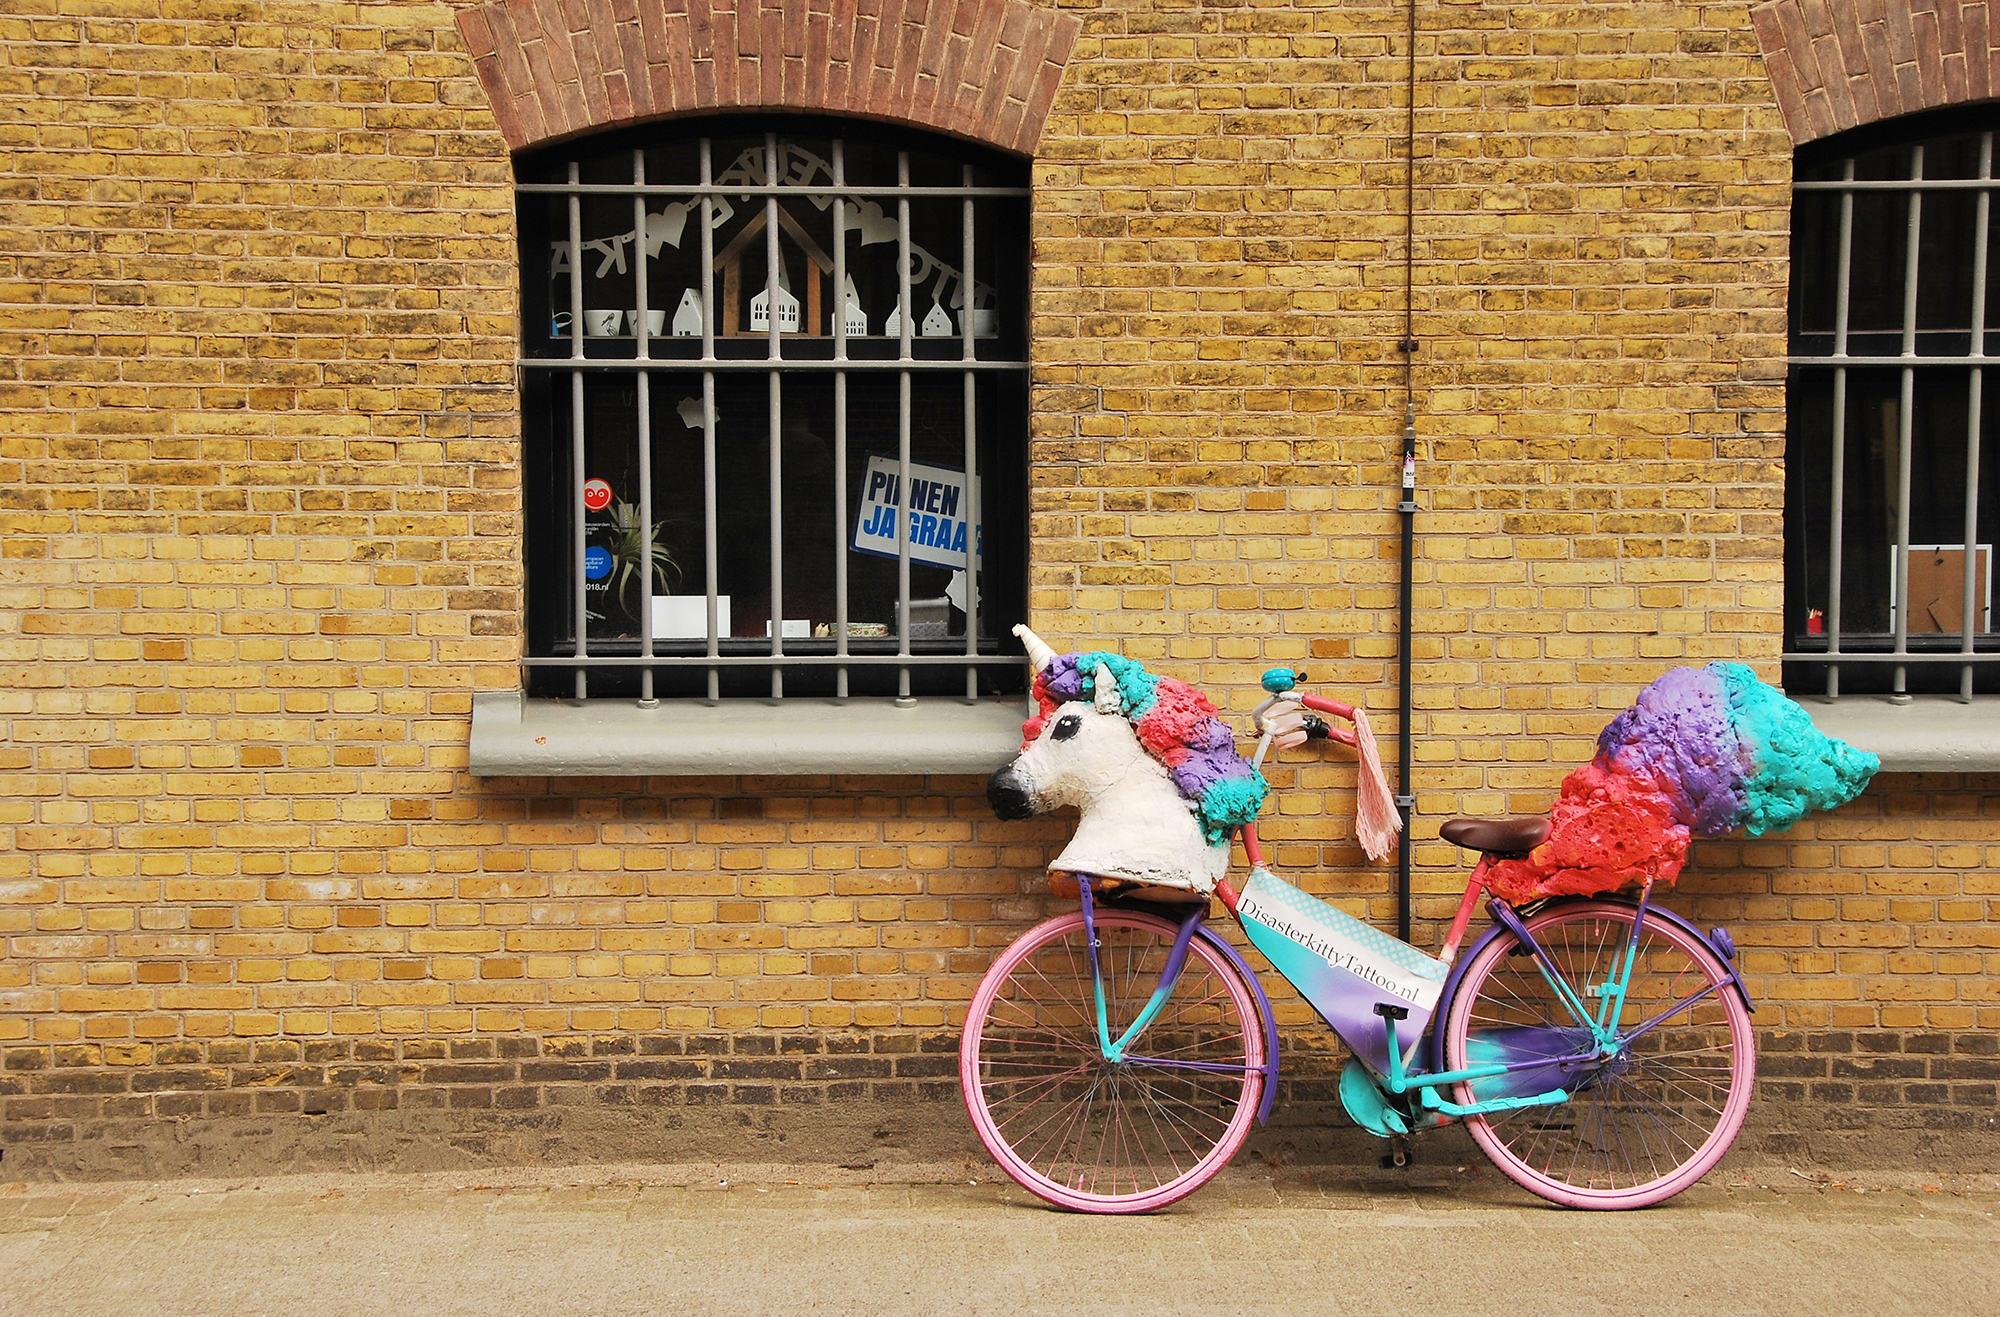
x: 1850, y: 184
x: 708, y: 508
x: 968, y: 350
x: 840, y: 420
x: 1974, y: 395
x: 645, y: 436
x: 577, y: 476
x: 953, y: 660
x: 775, y: 420
x: 1842, y: 289
x: 916, y: 365
x: 644, y: 364
x: 1908, y: 363
x: 1905, y: 432
x: 902, y: 499
x: 792, y: 190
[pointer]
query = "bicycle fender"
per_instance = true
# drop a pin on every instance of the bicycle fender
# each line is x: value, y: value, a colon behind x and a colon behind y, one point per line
x: 1728, y: 961
x: 1433, y: 1053
x: 1242, y: 967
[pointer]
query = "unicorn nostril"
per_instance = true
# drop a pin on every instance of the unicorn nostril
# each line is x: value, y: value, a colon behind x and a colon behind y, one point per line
x: 1007, y: 791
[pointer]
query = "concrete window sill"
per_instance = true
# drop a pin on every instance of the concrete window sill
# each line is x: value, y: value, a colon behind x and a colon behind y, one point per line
x: 517, y: 737
x: 513, y: 736
x: 1930, y: 734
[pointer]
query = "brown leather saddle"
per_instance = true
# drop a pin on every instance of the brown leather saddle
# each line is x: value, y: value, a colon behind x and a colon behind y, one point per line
x: 1502, y: 838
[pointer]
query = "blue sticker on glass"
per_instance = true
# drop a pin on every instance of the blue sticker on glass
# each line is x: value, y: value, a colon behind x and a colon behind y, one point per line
x: 596, y: 563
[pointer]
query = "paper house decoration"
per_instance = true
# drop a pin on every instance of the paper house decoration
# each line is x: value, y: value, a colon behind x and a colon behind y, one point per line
x: 788, y: 307
x: 937, y: 324
x: 850, y: 309
x: 687, y: 319
x: 729, y: 263
x: 893, y: 326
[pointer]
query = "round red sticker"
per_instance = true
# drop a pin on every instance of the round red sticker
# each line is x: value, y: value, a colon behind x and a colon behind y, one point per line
x: 597, y: 494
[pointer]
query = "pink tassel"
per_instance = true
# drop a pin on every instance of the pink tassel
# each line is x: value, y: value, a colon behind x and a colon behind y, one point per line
x: 1376, y: 821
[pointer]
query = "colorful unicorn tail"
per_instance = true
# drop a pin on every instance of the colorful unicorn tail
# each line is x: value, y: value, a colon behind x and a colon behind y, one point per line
x: 1376, y: 821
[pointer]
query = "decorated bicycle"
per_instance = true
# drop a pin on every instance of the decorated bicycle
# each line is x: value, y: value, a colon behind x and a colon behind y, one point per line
x: 1596, y: 1045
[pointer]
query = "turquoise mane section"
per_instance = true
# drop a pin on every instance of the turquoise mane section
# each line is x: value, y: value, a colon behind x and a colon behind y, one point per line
x: 1136, y: 686
x: 1797, y: 768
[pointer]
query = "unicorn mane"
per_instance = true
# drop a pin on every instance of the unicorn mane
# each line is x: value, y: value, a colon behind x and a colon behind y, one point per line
x: 1177, y: 725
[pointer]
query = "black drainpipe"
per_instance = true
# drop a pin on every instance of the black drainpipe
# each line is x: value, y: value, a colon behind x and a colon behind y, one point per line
x: 1406, y: 800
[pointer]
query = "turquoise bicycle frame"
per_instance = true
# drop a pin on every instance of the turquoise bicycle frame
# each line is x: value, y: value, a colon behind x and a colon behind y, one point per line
x: 1193, y: 926
x: 1366, y: 1016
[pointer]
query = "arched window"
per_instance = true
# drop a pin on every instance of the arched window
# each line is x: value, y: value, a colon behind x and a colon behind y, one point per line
x: 775, y: 412
x: 1893, y: 479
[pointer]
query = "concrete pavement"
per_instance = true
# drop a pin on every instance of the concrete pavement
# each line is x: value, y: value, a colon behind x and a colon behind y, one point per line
x: 958, y: 1239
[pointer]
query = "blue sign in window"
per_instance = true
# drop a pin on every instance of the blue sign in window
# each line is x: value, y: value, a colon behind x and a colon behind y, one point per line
x: 596, y: 563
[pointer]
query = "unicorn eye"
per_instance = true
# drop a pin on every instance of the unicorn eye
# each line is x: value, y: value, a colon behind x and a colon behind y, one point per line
x: 1066, y: 726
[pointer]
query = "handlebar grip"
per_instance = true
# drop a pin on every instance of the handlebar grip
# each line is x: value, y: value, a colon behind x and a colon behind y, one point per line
x: 1320, y: 704
x: 1324, y: 705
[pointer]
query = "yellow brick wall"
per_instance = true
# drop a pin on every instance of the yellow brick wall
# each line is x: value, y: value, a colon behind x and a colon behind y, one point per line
x: 1602, y: 209
x: 260, y: 497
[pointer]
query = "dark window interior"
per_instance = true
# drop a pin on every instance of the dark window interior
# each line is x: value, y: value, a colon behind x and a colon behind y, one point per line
x: 1932, y: 372
x: 783, y: 417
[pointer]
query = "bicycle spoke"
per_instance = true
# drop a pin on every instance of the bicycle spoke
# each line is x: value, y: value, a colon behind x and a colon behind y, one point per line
x: 1073, y: 1117
x: 1027, y: 1100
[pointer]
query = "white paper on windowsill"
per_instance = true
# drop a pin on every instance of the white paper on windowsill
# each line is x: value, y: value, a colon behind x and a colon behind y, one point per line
x: 685, y: 616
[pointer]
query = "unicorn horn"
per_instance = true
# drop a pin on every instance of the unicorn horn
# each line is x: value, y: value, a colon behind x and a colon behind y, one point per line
x: 1039, y: 652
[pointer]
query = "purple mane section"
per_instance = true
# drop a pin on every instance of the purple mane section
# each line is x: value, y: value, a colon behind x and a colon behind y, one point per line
x: 1063, y: 678
x: 1204, y: 767
x: 1213, y: 734
x: 1679, y: 736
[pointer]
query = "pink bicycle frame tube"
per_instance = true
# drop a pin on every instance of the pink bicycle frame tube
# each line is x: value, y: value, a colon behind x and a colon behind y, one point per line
x: 1466, y: 903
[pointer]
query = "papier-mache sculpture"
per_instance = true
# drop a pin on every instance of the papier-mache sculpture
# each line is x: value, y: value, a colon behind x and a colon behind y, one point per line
x: 1702, y: 751
x: 1147, y: 759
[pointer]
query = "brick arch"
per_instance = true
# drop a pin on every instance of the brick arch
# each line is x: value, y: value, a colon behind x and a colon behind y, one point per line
x: 1838, y: 64
x: 981, y: 69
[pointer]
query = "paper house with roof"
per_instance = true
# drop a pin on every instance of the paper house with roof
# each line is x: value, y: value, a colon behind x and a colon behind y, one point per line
x: 729, y: 263
x: 850, y: 309
x: 788, y: 306
x: 687, y: 318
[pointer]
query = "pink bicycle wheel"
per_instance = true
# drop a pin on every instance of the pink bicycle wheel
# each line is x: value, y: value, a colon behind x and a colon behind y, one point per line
x: 1641, y: 1124
x: 1094, y: 1135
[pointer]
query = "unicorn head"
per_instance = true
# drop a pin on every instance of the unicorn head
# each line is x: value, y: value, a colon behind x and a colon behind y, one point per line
x: 1146, y: 759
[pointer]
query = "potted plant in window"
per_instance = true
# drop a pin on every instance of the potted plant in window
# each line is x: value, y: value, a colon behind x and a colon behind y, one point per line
x: 629, y: 570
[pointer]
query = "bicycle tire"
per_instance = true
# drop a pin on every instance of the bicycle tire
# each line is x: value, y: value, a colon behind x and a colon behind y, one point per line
x: 1091, y: 1135
x: 1640, y: 1126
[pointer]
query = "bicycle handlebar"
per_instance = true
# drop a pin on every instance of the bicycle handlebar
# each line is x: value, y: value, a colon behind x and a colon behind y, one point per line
x: 1290, y: 717
x: 1292, y: 725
